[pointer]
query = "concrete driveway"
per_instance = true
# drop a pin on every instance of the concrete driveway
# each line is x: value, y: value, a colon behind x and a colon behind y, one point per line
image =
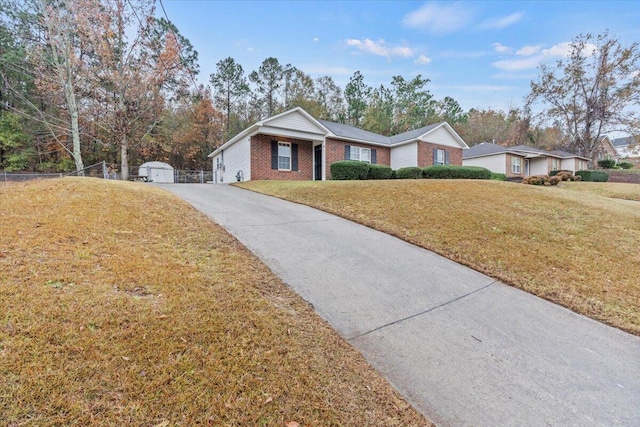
x: 462, y: 347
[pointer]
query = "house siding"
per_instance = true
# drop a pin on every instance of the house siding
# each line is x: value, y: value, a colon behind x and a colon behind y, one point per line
x: 496, y: 163
x: 295, y: 121
x: 425, y: 153
x: 335, y: 151
x: 261, y: 159
x: 235, y: 158
x: 404, y: 156
x: 538, y: 166
x: 442, y: 137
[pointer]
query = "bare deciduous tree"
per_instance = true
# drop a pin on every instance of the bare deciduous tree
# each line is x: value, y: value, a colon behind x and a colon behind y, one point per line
x: 592, y: 92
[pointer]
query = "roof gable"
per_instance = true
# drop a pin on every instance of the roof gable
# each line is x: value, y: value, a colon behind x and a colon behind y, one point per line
x: 295, y: 119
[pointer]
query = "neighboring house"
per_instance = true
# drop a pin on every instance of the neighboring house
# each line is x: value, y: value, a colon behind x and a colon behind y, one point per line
x: 628, y: 146
x: 295, y: 146
x: 605, y: 151
x: 521, y: 161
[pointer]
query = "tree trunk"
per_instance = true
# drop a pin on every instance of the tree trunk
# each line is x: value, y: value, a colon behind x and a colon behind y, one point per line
x: 124, y: 157
x: 75, y: 130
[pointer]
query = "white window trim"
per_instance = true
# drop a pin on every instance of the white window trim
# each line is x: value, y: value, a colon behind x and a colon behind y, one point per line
x: 355, y: 153
x: 284, y: 144
x: 516, y: 165
x: 440, y: 154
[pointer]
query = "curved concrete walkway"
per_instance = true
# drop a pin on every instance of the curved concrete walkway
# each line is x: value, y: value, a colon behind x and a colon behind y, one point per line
x: 463, y: 348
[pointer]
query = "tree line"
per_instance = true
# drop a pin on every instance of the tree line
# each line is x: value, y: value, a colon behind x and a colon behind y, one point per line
x: 85, y: 81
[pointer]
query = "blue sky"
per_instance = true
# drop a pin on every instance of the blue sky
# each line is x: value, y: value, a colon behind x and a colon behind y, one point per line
x: 483, y: 54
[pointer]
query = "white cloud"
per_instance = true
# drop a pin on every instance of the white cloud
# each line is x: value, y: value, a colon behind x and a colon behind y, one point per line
x: 528, y: 50
x: 250, y: 49
x: 315, y: 39
x: 380, y: 48
x: 518, y: 64
x: 503, y: 22
x: 536, y: 56
x: 438, y: 18
x: 500, y: 48
x: 422, y: 59
x: 561, y: 49
x: 564, y: 49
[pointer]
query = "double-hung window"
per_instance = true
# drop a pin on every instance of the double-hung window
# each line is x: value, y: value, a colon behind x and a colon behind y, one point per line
x: 515, y: 164
x: 554, y: 164
x: 360, y: 154
x: 439, y: 157
x: 284, y: 156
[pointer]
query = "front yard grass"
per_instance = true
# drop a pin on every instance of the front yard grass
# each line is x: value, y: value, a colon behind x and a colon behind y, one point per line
x: 572, y: 244
x: 122, y: 305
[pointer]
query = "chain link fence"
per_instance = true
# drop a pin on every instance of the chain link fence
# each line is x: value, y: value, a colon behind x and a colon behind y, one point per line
x: 104, y: 171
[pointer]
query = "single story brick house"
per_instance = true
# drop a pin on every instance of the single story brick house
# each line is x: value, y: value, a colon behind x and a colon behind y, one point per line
x: 295, y: 146
x: 522, y: 161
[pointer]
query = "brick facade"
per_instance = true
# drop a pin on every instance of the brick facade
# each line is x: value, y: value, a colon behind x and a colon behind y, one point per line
x: 261, y: 159
x: 335, y: 152
x: 509, y: 167
x: 261, y: 156
x: 425, y: 154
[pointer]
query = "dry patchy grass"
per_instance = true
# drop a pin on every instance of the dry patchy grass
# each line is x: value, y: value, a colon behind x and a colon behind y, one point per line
x: 611, y: 190
x: 121, y: 305
x: 573, y: 247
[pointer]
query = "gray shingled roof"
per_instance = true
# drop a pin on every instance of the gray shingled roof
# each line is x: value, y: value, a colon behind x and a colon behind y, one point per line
x: 347, y: 131
x: 623, y: 142
x: 413, y: 134
x: 483, y: 149
x: 563, y: 153
x: 528, y: 149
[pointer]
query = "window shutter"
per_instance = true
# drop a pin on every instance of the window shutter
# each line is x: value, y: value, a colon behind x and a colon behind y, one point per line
x: 435, y: 156
x: 446, y: 157
x: 274, y: 155
x: 294, y: 157
x: 374, y: 158
x: 347, y: 152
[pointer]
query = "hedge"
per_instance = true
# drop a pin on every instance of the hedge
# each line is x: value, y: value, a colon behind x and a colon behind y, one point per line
x: 593, y: 176
x: 411, y: 172
x: 380, y: 172
x: 498, y: 176
x: 456, y: 172
x: 625, y: 165
x: 349, y: 169
x: 607, y: 163
x: 553, y: 173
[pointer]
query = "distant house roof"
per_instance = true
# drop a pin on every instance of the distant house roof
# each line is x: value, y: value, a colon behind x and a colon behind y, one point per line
x: 566, y: 154
x: 488, y: 149
x: 623, y: 142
